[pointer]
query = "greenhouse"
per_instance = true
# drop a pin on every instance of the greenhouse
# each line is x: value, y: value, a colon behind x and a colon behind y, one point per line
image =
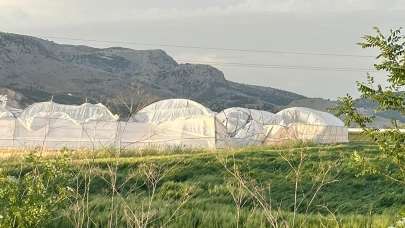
x: 166, y: 123
x: 305, y: 124
x: 245, y: 126
x: 179, y: 122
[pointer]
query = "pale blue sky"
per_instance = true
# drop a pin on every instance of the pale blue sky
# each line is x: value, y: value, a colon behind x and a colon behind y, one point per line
x: 321, y: 26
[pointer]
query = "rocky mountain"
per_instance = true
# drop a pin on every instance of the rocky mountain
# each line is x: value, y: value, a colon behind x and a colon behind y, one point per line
x: 39, y: 69
x: 33, y: 69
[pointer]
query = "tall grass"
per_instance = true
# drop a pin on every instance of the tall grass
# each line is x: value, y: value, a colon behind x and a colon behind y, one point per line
x: 296, y: 185
x: 204, y: 214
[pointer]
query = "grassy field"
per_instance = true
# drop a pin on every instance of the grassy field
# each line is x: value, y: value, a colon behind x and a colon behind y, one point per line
x: 250, y: 187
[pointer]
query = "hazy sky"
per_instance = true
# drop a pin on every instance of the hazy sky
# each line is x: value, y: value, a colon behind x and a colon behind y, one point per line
x: 309, y: 26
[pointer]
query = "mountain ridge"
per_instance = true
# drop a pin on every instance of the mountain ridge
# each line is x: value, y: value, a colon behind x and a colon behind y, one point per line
x: 35, y: 66
x: 34, y: 69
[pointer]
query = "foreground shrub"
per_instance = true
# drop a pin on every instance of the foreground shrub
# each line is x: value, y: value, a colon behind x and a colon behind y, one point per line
x: 33, y: 196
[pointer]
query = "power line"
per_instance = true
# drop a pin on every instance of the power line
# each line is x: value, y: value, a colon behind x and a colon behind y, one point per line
x: 238, y: 64
x: 214, y: 48
x: 276, y: 66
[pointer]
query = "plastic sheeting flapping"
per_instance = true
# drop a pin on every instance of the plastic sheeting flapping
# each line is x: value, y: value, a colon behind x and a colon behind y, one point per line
x: 245, y: 126
x: 255, y: 127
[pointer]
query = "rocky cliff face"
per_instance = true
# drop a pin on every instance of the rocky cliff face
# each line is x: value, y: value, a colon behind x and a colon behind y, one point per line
x: 41, y: 69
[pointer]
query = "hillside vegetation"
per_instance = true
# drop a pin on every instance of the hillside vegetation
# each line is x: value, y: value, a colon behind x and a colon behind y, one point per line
x: 298, y: 185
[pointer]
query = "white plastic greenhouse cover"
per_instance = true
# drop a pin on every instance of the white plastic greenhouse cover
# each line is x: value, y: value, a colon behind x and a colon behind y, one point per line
x: 245, y: 126
x: 171, y: 109
x: 237, y: 115
x: 5, y: 113
x: 77, y: 114
x: 299, y: 123
x: 7, y: 126
x: 180, y: 122
x: 173, y: 122
x: 307, y: 116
